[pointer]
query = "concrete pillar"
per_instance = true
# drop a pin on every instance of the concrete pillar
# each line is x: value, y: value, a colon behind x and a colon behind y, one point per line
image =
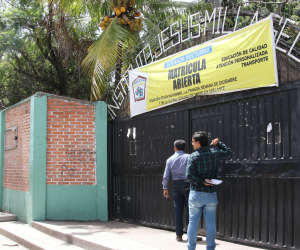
x: 2, y: 136
x: 101, y: 160
x: 37, y: 160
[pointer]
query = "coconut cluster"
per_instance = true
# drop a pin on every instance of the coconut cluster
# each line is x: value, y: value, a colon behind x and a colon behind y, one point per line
x: 104, y: 23
x: 126, y: 16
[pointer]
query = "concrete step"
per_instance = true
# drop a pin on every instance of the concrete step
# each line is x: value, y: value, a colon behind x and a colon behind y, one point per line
x: 6, y: 243
x: 7, y: 217
x: 32, y: 238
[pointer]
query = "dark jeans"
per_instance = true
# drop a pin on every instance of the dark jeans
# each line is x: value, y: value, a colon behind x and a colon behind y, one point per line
x: 181, y: 192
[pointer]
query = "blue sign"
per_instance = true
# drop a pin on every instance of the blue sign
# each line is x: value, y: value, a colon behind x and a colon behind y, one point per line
x: 190, y: 56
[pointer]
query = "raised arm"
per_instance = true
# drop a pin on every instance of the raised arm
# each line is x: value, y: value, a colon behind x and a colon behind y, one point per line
x: 223, y: 150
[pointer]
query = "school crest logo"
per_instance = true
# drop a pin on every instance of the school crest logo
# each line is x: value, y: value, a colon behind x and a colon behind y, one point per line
x: 139, y: 88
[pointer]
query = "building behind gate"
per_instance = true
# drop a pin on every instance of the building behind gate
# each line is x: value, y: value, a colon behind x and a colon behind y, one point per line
x: 258, y: 200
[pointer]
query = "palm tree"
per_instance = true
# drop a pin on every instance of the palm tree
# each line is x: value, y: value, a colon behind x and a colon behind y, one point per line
x: 122, y: 23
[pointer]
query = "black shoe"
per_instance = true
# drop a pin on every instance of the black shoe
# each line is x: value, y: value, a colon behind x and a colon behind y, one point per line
x: 179, y: 238
x: 199, y: 238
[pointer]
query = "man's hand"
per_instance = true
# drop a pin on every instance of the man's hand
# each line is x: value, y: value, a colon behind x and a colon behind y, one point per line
x: 166, y: 193
x: 207, y: 184
x: 215, y: 141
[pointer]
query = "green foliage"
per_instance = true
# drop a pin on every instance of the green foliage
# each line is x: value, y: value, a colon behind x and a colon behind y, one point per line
x: 42, y: 44
x: 286, y: 9
x: 41, y: 49
x: 115, y: 46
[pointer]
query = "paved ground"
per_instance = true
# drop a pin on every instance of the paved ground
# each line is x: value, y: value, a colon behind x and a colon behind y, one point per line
x: 113, y: 235
x: 117, y: 235
x: 6, y: 244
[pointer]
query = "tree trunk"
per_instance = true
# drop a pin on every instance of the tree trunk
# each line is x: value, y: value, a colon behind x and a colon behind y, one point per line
x: 118, y: 71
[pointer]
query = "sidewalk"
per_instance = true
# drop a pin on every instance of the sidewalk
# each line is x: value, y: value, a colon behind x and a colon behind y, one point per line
x: 117, y: 235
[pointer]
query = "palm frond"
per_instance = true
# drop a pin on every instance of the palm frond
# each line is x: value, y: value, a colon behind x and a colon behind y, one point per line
x: 98, y: 87
x: 105, y: 53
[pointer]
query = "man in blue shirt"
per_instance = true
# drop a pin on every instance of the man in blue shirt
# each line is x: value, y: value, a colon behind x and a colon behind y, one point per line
x: 176, y: 166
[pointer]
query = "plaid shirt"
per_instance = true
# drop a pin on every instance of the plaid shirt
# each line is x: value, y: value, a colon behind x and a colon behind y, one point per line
x: 204, y: 164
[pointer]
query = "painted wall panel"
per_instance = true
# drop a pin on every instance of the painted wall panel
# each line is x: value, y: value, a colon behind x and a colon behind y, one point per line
x: 16, y: 202
x: 72, y: 202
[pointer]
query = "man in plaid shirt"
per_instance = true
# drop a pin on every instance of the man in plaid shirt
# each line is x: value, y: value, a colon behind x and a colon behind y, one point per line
x: 203, y: 165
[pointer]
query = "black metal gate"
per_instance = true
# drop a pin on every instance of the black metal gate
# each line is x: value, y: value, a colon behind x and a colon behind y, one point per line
x: 258, y: 201
x: 213, y: 125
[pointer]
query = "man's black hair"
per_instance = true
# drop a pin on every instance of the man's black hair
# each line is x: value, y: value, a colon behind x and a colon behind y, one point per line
x: 180, y: 144
x: 201, y: 137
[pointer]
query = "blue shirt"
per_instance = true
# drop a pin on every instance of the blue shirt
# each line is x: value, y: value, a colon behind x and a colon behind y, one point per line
x: 176, y: 166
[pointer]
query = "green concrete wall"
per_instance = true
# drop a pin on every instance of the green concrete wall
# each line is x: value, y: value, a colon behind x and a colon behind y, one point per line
x: 56, y: 202
x: 101, y: 160
x: 16, y: 202
x: 2, y: 135
x: 37, y: 159
x: 76, y: 202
